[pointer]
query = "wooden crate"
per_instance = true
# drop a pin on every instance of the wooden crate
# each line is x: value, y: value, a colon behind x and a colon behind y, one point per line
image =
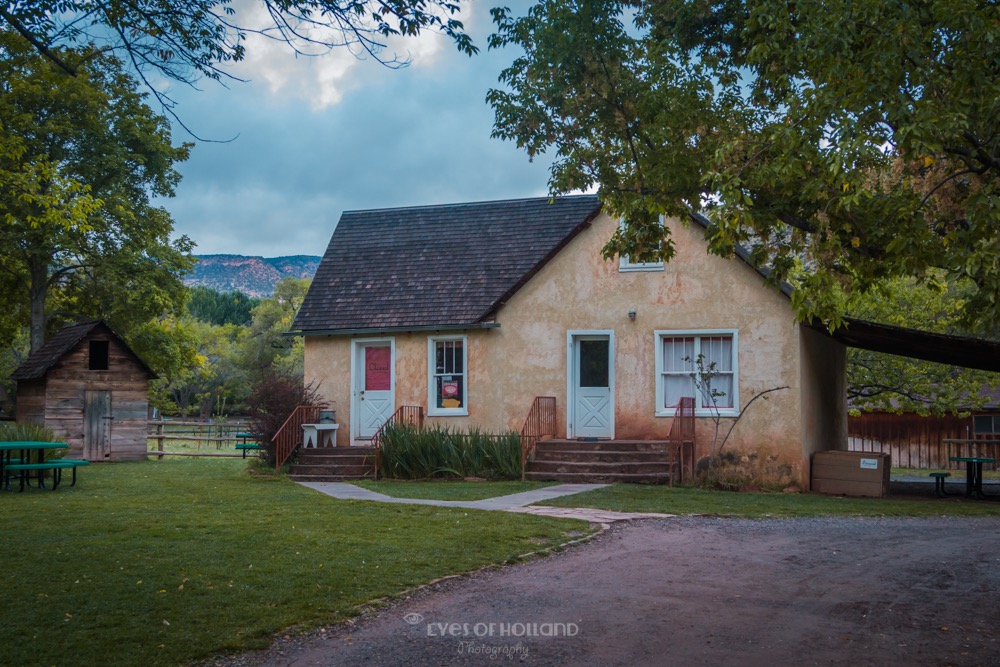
x: 851, y: 473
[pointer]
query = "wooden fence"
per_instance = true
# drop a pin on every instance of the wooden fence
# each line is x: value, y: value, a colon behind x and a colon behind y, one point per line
x: 913, y: 441
x: 208, y: 433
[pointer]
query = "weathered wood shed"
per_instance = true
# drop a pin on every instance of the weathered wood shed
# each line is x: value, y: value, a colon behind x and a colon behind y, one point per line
x: 89, y: 387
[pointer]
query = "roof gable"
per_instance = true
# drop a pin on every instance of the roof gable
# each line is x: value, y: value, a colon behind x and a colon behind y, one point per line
x: 48, y: 355
x: 435, y: 266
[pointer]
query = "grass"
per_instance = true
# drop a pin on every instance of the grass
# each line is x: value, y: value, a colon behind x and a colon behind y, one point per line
x: 679, y: 500
x: 449, y: 490
x: 166, y: 562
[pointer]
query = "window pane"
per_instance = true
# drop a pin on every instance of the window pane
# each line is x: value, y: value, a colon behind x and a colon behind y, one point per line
x: 675, y: 387
x: 594, y: 363
x: 450, y: 391
x: 678, y: 355
x: 723, y: 384
x: 718, y: 350
x: 377, y: 372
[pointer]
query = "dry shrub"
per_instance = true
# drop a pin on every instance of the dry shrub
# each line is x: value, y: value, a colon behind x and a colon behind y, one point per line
x: 744, y: 471
x: 273, y: 397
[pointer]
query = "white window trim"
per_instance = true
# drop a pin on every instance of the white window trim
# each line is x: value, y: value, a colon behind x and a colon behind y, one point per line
x: 700, y: 409
x: 625, y: 263
x: 432, y: 409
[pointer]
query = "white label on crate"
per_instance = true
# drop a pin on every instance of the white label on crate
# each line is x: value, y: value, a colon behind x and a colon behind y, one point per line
x: 869, y: 464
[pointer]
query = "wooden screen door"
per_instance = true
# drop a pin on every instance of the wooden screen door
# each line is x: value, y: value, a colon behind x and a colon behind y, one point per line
x: 97, y: 425
x: 591, y: 386
x: 374, y: 397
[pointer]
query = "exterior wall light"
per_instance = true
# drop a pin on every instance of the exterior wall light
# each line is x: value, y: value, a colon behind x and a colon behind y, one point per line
x: 631, y: 313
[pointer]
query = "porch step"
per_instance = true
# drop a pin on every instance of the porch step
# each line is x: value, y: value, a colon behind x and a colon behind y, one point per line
x: 602, y: 461
x: 597, y: 478
x: 587, y: 445
x: 333, y: 464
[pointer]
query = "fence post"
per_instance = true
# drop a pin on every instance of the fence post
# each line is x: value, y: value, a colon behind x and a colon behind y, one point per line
x: 159, y: 439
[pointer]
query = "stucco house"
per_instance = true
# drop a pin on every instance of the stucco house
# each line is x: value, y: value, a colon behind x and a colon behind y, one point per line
x: 472, y: 310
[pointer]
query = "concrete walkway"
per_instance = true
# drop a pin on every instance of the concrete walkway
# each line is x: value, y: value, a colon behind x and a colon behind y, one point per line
x: 517, y: 502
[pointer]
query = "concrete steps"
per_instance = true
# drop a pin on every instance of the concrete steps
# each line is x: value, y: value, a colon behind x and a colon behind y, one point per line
x: 333, y: 464
x: 602, y: 461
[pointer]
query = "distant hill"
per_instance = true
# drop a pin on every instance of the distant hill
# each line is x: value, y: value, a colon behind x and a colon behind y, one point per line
x: 254, y: 276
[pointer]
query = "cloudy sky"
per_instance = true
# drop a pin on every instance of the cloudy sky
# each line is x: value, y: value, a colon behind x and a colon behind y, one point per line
x: 317, y: 136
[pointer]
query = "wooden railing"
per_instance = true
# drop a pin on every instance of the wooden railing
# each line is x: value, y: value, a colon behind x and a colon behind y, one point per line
x: 405, y: 414
x: 289, y: 436
x: 541, y: 421
x: 680, y: 446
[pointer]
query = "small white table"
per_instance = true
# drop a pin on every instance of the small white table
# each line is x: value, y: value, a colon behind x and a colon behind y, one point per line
x: 319, y: 435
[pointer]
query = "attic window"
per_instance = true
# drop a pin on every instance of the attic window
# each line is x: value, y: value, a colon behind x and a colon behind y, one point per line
x: 625, y: 263
x: 98, y: 355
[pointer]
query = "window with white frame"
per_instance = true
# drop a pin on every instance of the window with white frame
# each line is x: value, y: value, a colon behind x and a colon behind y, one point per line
x: 447, y: 376
x: 678, y: 371
x: 625, y: 262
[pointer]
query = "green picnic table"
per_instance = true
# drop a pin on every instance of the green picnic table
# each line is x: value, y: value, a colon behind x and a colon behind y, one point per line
x: 25, y: 467
x: 973, y: 473
x: 246, y: 446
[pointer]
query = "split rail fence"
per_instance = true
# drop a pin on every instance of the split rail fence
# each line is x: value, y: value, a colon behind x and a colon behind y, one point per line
x: 197, y: 433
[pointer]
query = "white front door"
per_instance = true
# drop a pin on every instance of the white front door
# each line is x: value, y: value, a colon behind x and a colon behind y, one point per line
x: 374, y: 397
x: 591, y: 412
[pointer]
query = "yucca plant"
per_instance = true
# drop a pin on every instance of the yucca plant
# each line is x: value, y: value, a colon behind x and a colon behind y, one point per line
x: 409, y: 452
x: 12, y: 432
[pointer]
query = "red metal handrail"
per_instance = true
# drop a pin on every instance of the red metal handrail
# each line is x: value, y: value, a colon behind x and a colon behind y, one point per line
x: 541, y: 421
x: 405, y: 414
x: 681, y: 439
x: 289, y: 436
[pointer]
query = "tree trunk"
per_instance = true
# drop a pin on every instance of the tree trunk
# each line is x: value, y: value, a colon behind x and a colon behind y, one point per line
x: 38, y: 292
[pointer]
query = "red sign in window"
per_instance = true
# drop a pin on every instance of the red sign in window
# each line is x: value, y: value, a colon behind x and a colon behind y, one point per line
x: 377, y: 368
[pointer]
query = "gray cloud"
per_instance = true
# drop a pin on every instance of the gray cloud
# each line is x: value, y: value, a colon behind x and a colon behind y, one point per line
x: 415, y: 136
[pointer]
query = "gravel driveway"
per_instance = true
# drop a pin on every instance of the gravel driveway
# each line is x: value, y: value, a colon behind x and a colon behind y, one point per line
x: 827, y: 591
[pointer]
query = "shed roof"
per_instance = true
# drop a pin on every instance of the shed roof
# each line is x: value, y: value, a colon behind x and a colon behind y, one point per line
x: 48, y: 355
x: 435, y: 266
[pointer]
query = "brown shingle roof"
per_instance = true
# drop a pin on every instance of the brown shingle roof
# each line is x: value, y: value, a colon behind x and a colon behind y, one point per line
x: 450, y: 265
x: 48, y: 355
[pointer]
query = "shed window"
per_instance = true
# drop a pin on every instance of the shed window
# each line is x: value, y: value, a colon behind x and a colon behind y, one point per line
x: 98, y: 355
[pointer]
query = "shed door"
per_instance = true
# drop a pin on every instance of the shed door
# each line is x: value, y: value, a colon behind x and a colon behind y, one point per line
x: 97, y: 425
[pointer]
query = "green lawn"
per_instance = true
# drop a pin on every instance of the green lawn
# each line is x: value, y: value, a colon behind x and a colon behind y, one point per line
x: 449, y: 490
x: 165, y: 562
x: 678, y: 500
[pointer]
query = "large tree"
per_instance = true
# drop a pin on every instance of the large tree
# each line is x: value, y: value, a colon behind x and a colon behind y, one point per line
x: 879, y: 381
x: 187, y: 39
x: 83, y: 157
x: 844, y: 142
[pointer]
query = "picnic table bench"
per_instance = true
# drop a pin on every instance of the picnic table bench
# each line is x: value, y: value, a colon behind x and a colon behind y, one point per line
x: 247, y: 446
x: 55, y: 465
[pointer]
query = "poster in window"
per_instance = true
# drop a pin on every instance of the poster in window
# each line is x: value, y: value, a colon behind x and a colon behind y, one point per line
x: 378, y: 368
x: 449, y: 392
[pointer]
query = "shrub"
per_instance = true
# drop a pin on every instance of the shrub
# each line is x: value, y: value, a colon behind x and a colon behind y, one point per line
x: 10, y: 432
x: 409, y: 452
x: 273, y: 397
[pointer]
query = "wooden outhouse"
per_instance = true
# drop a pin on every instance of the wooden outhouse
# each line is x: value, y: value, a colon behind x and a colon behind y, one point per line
x: 90, y: 388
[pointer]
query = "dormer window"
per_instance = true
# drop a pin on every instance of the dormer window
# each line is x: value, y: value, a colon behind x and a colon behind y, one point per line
x: 98, y: 355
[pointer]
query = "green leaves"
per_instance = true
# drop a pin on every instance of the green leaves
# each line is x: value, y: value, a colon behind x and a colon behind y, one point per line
x: 80, y: 158
x: 859, y: 140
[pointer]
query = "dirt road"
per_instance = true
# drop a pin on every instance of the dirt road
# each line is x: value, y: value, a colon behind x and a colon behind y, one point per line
x: 704, y: 592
